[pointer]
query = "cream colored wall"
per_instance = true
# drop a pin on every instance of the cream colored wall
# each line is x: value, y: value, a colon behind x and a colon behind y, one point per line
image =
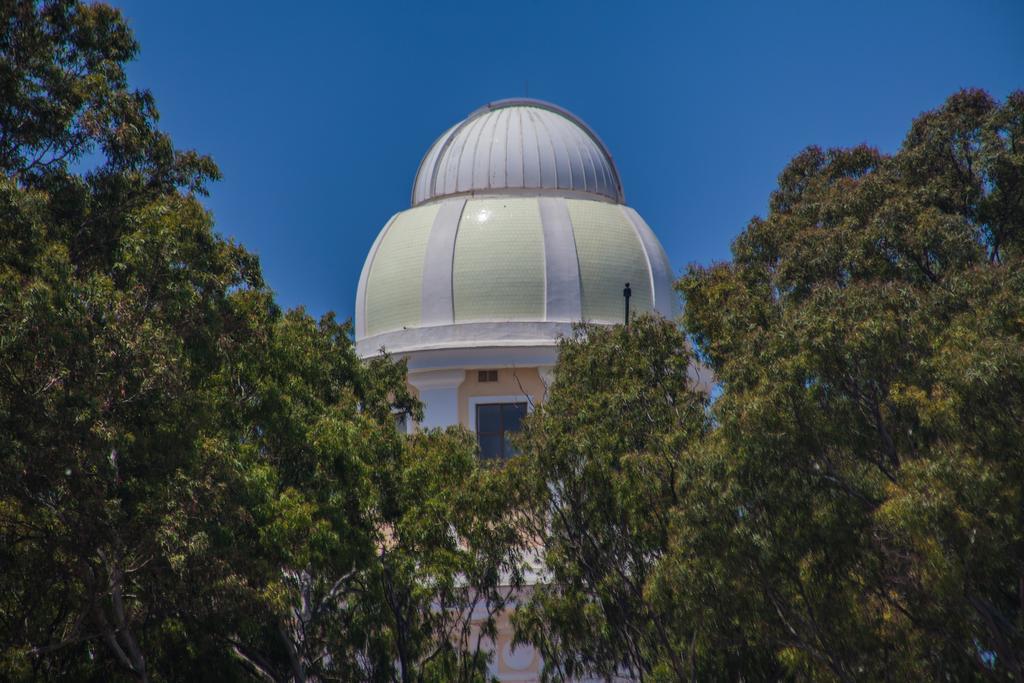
x: 511, y: 381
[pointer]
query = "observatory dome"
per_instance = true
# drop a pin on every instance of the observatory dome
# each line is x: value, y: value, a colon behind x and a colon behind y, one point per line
x: 517, y: 230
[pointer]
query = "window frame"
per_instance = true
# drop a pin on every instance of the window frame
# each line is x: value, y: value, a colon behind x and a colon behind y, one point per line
x: 403, y: 421
x: 476, y: 401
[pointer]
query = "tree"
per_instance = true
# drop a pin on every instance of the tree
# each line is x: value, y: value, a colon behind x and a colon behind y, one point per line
x: 115, y: 298
x: 869, y: 343
x: 346, y: 551
x: 194, y: 484
x: 446, y: 563
x: 604, y: 459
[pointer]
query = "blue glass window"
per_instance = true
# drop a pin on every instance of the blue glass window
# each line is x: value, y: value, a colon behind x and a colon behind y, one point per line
x: 495, y: 423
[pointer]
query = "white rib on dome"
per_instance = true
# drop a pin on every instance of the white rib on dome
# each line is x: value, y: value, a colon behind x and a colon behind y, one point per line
x: 515, y: 145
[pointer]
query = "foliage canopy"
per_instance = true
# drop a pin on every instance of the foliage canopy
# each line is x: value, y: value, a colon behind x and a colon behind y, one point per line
x: 868, y: 338
x: 192, y: 482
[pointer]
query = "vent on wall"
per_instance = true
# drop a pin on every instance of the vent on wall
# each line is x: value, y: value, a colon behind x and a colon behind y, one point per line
x: 487, y: 376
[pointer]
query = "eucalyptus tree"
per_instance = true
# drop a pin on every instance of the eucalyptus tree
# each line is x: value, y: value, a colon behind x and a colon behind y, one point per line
x: 193, y: 484
x: 116, y: 298
x: 868, y: 459
x: 605, y: 459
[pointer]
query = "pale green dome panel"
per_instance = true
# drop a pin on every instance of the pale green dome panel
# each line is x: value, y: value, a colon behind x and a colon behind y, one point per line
x: 498, y: 268
x: 610, y: 254
x: 395, y: 281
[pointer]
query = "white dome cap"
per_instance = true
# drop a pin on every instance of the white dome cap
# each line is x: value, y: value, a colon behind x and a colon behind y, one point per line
x: 517, y: 145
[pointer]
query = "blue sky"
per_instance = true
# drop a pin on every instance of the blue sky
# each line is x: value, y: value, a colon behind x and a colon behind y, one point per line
x: 319, y: 112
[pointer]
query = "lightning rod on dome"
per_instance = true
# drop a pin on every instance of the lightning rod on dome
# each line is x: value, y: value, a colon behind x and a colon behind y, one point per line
x: 626, y: 293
